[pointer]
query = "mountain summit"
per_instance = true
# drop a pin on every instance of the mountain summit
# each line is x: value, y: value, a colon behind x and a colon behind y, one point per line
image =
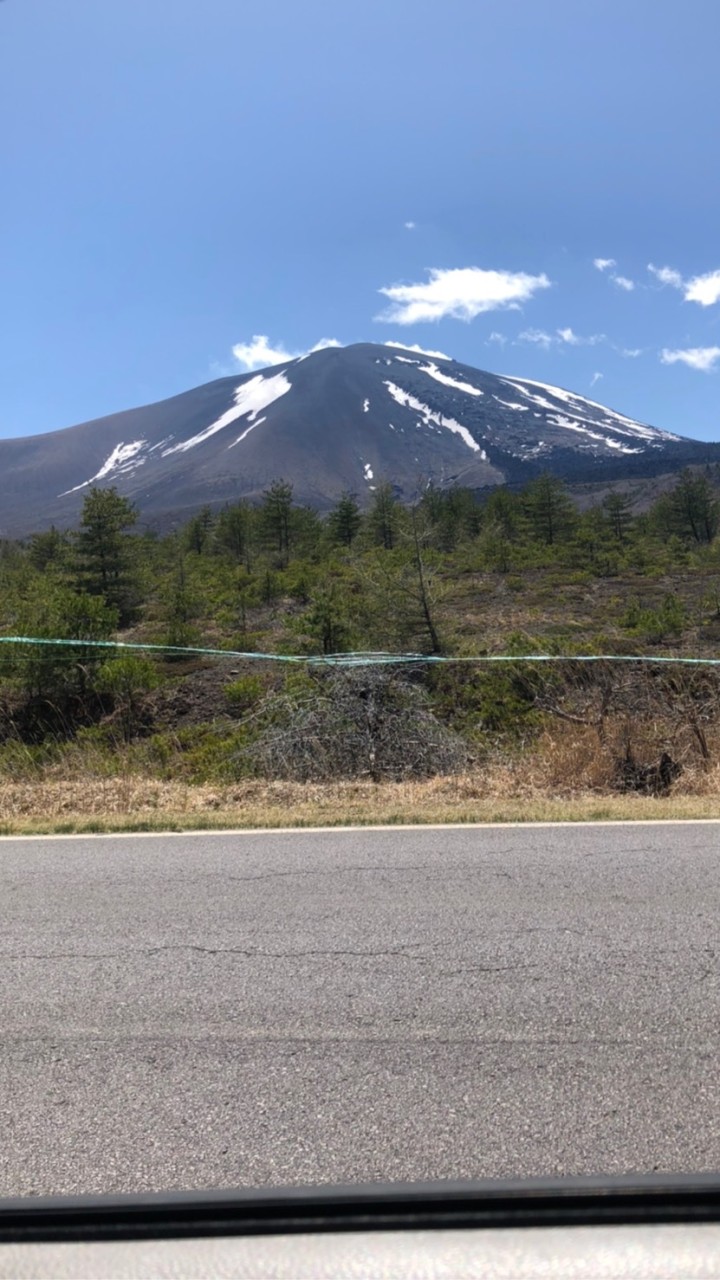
x: 338, y: 419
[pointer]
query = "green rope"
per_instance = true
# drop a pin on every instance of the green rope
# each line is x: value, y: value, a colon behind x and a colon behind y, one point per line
x: 348, y: 659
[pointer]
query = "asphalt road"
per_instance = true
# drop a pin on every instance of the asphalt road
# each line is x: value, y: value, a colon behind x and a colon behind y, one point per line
x: 218, y: 1010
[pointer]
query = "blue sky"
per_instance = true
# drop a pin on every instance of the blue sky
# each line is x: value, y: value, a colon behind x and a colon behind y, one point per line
x: 181, y: 177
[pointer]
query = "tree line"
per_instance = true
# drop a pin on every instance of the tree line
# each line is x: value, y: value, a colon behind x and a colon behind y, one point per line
x: 278, y: 576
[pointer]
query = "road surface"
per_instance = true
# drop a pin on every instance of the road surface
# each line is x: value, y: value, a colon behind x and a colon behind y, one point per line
x: 193, y: 1011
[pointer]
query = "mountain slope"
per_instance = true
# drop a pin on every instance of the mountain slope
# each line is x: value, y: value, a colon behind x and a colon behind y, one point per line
x: 340, y: 418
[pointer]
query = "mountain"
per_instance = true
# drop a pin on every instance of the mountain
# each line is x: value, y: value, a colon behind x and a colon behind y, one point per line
x: 339, y: 419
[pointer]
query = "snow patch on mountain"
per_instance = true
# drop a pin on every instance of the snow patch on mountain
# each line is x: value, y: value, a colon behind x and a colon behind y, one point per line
x: 122, y: 460
x: 405, y: 346
x: 433, y: 372
x: 250, y: 399
x: 247, y: 431
x: 429, y: 417
x: 576, y: 403
x: 509, y: 404
x: 570, y: 424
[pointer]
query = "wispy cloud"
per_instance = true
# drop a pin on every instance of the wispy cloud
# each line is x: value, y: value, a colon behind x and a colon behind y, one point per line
x: 595, y: 378
x: 538, y: 336
x: 607, y: 264
x: 421, y: 351
x: 704, y: 359
x: 409, y: 226
x: 666, y: 275
x: 630, y: 353
x: 560, y: 337
x: 498, y: 338
x: 575, y: 340
x: 259, y: 353
x: 459, y: 293
x: 704, y: 289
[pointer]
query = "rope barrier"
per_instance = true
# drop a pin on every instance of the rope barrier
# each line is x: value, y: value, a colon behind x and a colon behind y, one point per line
x: 353, y: 659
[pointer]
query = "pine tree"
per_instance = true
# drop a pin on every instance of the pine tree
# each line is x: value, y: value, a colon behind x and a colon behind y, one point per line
x: 616, y: 507
x: 198, y: 531
x: 551, y: 512
x: 384, y: 517
x: 344, y: 520
x: 105, y: 551
x: 48, y: 547
x: 276, y: 511
x: 233, y: 532
x: 695, y: 507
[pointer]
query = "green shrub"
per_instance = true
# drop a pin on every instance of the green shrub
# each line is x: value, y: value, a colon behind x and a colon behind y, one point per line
x: 656, y: 625
x: 245, y: 693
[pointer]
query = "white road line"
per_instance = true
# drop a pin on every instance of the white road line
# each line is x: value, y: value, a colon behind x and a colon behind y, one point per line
x: 392, y: 826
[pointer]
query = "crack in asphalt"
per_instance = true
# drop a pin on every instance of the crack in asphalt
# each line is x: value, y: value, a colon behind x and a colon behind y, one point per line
x: 481, y: 968
x: 340, y: 871
x: 400, y: 953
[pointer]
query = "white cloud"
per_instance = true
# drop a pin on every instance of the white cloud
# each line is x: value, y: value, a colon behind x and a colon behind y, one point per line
x: 422, y: 351
x: 567, y: 336
x: 667, y: 275
x: 704, y: 359
x: 461, y: 293
x: 323, y: 345
x: 595, y: 378
x: 576, y: 340
x: 409, y: 226
x: 703, y: 289
x: 630, y: 353
x: 259, y: 354
x: 538, y: 336
x: 499, y: 338
x: 607, y: 264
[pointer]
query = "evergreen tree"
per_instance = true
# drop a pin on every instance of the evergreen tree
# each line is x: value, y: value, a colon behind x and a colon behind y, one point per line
x: 344, y: 521
x: 551, y: 512
x: 233, y: 532
x: 454, y: 514
x: 105, y: 551
x: 327, y: 622
x: 47, y: 548
x: 276, y: 511
x: 198, y: 531
x: 616, y: 507
x: 384, y: 517
x: 695, y: 507
x: 503, y: 513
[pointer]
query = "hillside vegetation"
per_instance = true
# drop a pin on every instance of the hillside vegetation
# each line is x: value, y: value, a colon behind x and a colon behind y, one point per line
x: 520, y: 574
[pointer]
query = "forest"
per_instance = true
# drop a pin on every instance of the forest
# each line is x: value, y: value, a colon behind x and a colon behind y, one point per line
x: 450, y: 582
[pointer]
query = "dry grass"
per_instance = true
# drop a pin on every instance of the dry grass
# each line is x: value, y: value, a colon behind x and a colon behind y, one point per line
x: 135, y: 803
x: 564, y: 777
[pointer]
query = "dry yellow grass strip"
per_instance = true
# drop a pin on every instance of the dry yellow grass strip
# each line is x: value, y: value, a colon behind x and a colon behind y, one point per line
x: 140, y: 804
